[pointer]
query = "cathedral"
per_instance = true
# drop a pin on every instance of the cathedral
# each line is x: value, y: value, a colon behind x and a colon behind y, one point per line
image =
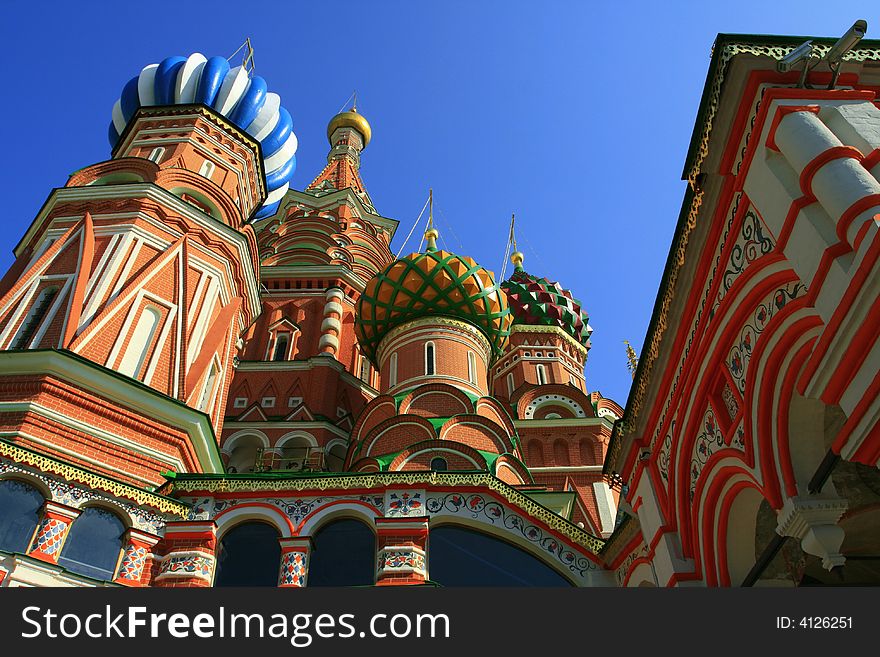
x: 210, y: 378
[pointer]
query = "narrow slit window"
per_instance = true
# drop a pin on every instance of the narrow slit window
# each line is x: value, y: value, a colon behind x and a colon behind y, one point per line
x: 34, y: 318
x: 542, y: 374
x: 141, y: 339
x: 207, y: 169
x: 472, y: 367
x: 156, y: 154
x: 392, y: 370
x: 209, y: 387
x: 365, y: 370
x: 281, y: 344
x: 429, y: 359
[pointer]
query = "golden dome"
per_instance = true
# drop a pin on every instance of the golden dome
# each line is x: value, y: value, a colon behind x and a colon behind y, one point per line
x: 350, y: 119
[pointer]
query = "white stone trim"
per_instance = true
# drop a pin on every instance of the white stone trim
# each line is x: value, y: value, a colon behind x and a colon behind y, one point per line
x: 197, y: 425
x: 76, y: 425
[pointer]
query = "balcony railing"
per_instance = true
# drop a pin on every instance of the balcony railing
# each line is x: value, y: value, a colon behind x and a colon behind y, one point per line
x: 290, y: 459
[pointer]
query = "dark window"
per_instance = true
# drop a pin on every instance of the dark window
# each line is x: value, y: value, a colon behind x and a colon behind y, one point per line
x: 34, y: 318
x: 343, y: 554
x: 439, y: 464
x: 92, y: 548
x: 19, y: 514
x: 463, y: 557
x: 281, y: 347
x: 249, y: 555
x: 429, y: 358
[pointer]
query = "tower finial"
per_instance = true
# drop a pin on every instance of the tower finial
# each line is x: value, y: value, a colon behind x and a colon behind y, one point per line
x: 354, y: 102
x: 516, y: 257
x: 431, y: 233
x: 632, y: 359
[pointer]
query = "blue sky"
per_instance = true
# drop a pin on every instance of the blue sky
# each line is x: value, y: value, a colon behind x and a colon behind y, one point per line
x: 575, y: 115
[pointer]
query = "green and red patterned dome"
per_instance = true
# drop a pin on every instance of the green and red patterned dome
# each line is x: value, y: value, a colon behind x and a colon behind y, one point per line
x: 435, y: 283
x: 540, y: 302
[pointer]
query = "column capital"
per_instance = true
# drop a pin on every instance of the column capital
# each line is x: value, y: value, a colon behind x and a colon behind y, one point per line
x: 813, y: 520
x: 415, y: 526
x: 56, y: 510
x: 296, y: 543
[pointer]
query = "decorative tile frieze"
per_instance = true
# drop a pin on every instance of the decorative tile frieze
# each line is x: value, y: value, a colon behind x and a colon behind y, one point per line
x: 195, y: 564
x: 401, y: 559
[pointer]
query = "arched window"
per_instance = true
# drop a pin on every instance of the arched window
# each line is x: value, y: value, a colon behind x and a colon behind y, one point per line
x: 560, y: 452
x: 243, y: 457
x: 464, y: 557
x: 94, y: 543
x: 281, y: 343
x: 510, y: 384
x: 35, y: 317
x: 392, y: 370
x: 336, y: 458
x: 472, y: 367
x: 139, y: 345
x: 156, y: 154
x: 343, y: 554
x: 207, y: 169
x: 439, y: 464
x: 20, y: 505
x: 249, y: 555
x: 542, y: 374
x: 429, y: 358
x: 536, y: 453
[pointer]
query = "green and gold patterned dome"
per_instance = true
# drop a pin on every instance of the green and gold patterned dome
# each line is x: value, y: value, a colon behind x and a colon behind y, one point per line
x: 435, y: 283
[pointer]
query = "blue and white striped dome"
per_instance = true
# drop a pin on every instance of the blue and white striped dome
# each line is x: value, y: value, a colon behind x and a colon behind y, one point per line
x: 232, y: 92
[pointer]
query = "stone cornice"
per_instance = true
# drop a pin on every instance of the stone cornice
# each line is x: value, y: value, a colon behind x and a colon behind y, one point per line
x: 73, y: 474
x: 255, y: 483
x: 555, y: 330
x: 123, y: 391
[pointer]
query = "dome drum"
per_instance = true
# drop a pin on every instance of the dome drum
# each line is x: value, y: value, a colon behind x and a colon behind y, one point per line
x: 435, y: 283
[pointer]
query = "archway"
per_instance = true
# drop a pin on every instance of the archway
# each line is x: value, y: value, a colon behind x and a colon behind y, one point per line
x: 741, y: 529
x: 463, y: 557
x: 248, y: 555
x: 343, y: 554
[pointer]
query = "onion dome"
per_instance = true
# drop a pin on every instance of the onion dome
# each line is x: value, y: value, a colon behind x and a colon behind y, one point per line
x: 350, y: 119
x: 540, y: 302
x: 235, y: 94
x: 431, y: 284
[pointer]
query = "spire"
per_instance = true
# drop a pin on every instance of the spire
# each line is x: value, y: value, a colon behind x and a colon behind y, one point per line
x: 431, y: 233
x: 349, y: 133
x: 516, y: 258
